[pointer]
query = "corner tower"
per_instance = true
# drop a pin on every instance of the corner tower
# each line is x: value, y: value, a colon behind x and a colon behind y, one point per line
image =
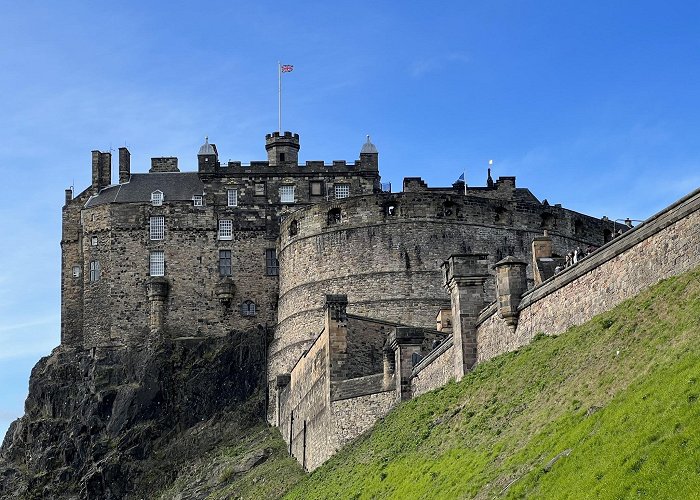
x: 282, y: 149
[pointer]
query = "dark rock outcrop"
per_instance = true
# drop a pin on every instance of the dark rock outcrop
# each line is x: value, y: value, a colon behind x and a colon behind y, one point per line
x: 118, y: 423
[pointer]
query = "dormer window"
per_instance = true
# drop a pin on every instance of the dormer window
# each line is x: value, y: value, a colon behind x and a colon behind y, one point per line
x: 157, y: 198
x: 198, y: 200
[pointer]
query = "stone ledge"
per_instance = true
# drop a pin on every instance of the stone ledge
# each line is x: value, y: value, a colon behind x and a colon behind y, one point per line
x: 360, y: 386
x: 432, y: 356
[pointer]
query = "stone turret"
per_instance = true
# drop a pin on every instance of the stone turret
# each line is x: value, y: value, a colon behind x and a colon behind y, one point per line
x: 369, y: 156
x: 207, y: 157
x: 511, y: 283
x: 282, y: 149
x: 464, y: 277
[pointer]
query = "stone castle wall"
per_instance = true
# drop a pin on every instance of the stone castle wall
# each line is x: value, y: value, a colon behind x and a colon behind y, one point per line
x: 666, y: 245
x: 389, y: 265
x: 435, y: 370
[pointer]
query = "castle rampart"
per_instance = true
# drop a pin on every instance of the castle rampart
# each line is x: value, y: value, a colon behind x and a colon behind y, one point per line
x: 384, y: 251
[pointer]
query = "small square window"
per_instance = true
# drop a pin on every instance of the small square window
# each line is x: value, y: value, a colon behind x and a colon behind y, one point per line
x: 341, y: 191
x: 287, y: 194
x: 157, y: 263
x: 271, y: 264
x: 316, y: 188
x: 157, y: 227
x: 157, y: 198
x: 259, y: 189
x: 76, y: 271
x: 232, y: 197
x: 93, y: 241
x: 226, y: 229
x: 198, y: 200
x: 225, y: 268
x: 94, y: 270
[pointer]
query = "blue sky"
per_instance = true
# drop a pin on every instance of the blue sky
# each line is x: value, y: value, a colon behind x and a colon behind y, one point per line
x: 590, y: 104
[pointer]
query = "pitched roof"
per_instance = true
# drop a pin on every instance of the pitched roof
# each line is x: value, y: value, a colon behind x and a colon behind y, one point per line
x: 176, y: 186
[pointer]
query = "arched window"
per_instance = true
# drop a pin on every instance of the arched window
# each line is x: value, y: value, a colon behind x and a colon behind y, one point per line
x: 248, y: 308
x: 334, y: 216
x: 294, y: 228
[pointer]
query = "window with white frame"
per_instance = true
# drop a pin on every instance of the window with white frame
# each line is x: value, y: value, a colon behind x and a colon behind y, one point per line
x: 157, y: 223
x: 157, y: 263
x: 94, y: 270
x: 157, y: 198
x: 198, y: 200
x: 287, y: 194
x: 248, y: 308
x: 341, y: 191
x: 226, y: 229
x: 232, y: 197
x: 93, y: 241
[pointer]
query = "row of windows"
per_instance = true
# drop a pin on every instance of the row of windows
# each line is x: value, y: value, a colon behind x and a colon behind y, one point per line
x: 157, y: 264
x: 286, y: 193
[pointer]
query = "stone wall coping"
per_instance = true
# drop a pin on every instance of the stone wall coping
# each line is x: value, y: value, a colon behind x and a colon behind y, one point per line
x: 432, y: 356
x: 654, y: 224
x: 487, y: 312
x: 360, y: 386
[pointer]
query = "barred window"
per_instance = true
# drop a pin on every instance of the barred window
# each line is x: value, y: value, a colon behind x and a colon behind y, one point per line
x: 157, y: 263
x: 157, y: 198
x: 341, y: 191
x: 225, y: 263
x: 157, y: 224
x: 287, y: 194
x: 94, y: 270
x: 271, y: 263
x: 226, y: 229
x: 198, y: 200
x: 248, y: 308
x: 232, y: 196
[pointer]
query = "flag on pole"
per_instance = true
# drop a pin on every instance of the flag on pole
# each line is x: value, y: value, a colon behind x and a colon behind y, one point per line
x: 461, y: 177
x: 287, y: 68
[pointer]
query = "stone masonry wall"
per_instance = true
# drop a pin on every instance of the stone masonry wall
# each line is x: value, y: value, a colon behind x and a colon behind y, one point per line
x: 665, y: 245
x: 435, y: 370
x: 389, y: 265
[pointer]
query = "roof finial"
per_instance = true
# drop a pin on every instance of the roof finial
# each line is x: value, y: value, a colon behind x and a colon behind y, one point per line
x: 368, y: 147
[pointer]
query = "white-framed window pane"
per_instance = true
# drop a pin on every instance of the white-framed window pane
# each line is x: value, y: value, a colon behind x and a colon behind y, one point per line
x: 156, y: 198
x: 157, y: 263
x: 94, y: 270
x: 287, y: 194
x: 94, y: 241
x: 197, y: 200
x: 157, y: 224
x: 225, y: 229
x: 342, y: 191
x: 232, y: 197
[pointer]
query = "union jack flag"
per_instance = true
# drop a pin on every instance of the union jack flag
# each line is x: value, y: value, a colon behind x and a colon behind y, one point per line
x: 286, y: 68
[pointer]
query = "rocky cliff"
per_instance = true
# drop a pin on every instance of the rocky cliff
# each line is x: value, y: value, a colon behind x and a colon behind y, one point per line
x: 118, y: 423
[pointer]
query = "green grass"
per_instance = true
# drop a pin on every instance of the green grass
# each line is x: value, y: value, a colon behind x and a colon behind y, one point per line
x: 610, y: 409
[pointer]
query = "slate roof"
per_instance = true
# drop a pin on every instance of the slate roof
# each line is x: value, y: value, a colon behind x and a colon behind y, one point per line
x: 176, y: 186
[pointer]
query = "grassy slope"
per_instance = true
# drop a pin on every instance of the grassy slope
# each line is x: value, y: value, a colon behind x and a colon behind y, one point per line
x: 607, y: 410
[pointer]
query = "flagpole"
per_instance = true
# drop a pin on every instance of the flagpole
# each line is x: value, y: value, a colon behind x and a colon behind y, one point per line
x: 279, y: 97
x: 465, y: 182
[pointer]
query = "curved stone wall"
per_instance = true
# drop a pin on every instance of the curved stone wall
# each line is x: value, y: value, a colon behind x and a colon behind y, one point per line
x: 385, y: 250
